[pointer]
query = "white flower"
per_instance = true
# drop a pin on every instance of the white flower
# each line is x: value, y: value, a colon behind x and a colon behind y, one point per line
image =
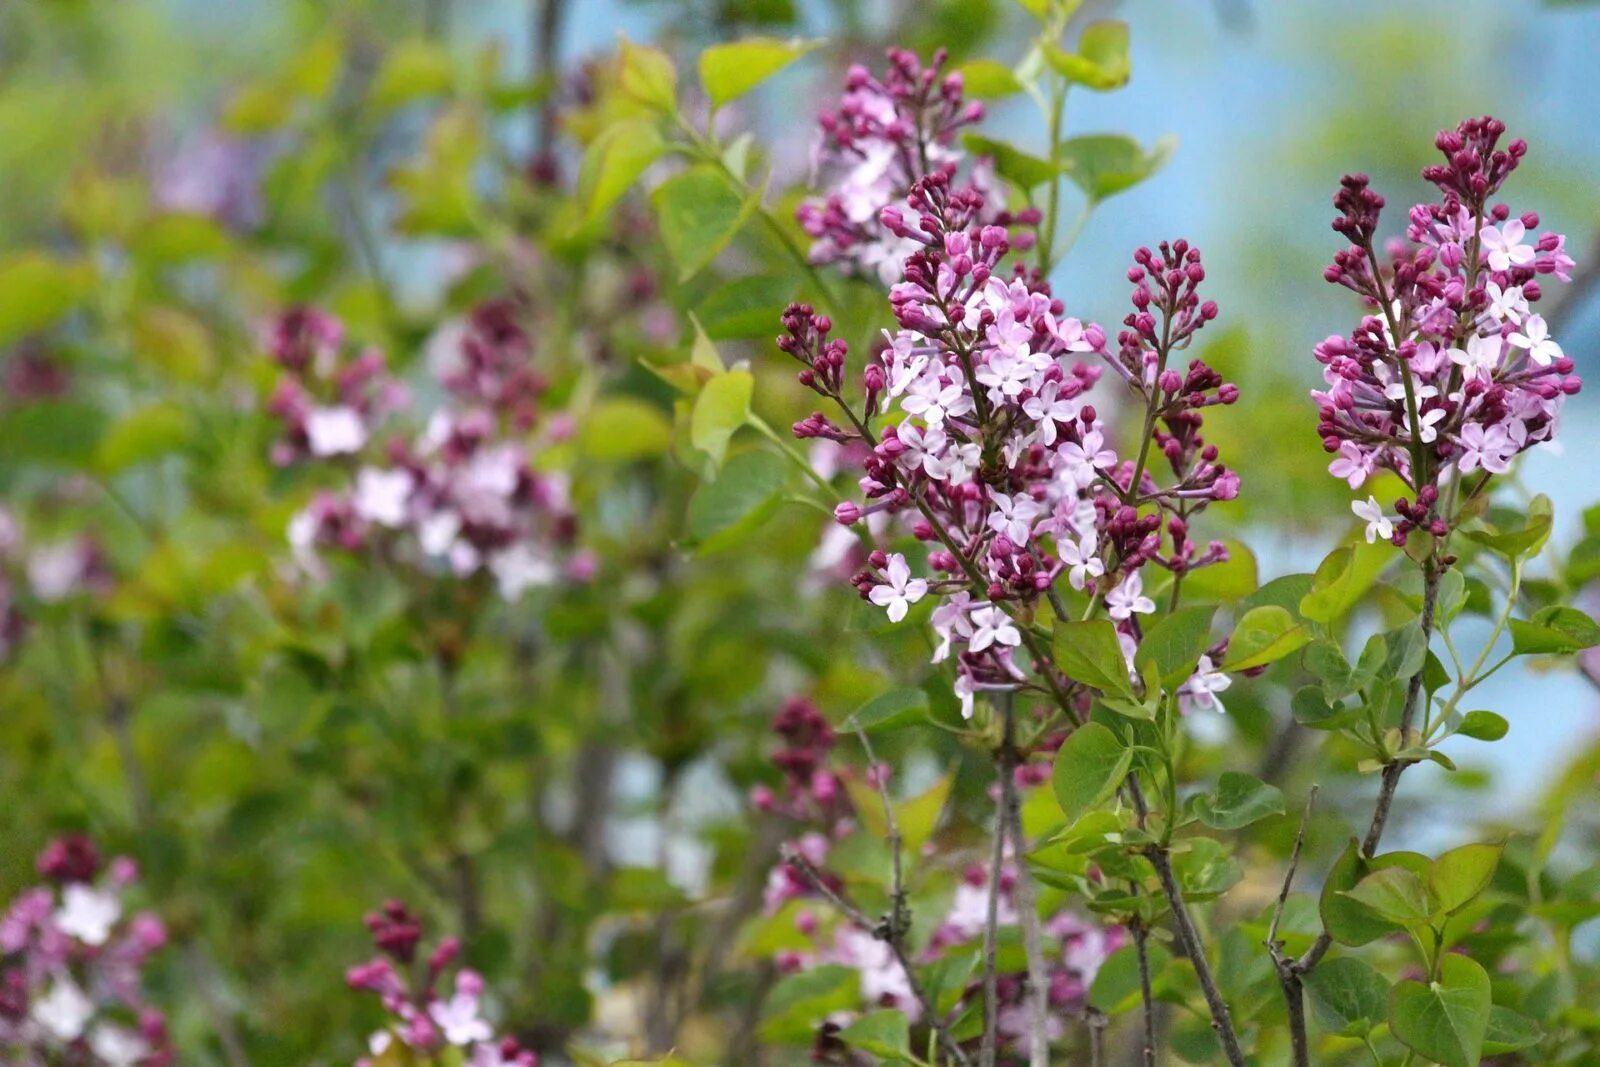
x: 64, y: 1011
x: 1128, y: 599
x: 519, y: 568
x: 1428, y: 425
x: 1506, y: 304
x: 1504, y: 245
x: 1047, y: 408
x: 1535, y: 337
x: 950, y: 622
x: 1205, y: 683
x: 1371, y: 512
x: 87, y: 914
x: 335, y: 431
x: 992, y: 626
x: 1014, y: 516
x: 117, y: 1046
x: 459, y: 1020
x: 965, y: 689
x: 1084, y: 462
x: 1481, y: 357
x: 381, y: 496
x: 55, y: 571
x: 900, y: 591
x: 438, y: 532
x: 1082, y: 559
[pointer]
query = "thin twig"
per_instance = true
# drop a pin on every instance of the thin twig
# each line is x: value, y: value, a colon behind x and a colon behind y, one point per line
x: 1289, y: 976
x: 1096, y: 1020
x: 991, y: 925
x: 858, y: 918
x: 1027, y: 907
x: 1141, y: 938
x: 1221, y: 1018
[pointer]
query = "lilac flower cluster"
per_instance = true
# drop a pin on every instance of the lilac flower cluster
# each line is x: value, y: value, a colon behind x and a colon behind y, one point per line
x: 463, y: 495
x: 814, y: 798
x: 883, y: 138
x: 71, y: 967
x: 998, y: 457
x: 45, y: 574
x: 1452, y: 370
x: 422, y: 1019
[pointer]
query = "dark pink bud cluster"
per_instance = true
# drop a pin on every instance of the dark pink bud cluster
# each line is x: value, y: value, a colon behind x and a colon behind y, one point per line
x: 492, y: 365
x: 423, y: 1018
x: 329, y: 401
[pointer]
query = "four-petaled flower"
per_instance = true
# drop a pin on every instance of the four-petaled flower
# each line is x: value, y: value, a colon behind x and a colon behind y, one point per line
x: 1128, y: 599
x: 1082, y: 559
x: 899, y: 590
x: 1371, y: 512
x: 1535, y: 337
x: 1504, y: 245
x: 992, y: 626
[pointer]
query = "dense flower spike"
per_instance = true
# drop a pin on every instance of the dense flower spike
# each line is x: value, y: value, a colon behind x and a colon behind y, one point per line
x: 884, y: 137
x: 998, y: 458
x: 1453, y: 372
x: 463, y: 496
x: 71, y: 963
x: 423, y: 1018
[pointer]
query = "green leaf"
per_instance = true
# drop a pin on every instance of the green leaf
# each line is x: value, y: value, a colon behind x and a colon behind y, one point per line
x: 36, y: 290
x: 919, y: 816
x: 412, y: 70
x: 1264, y: 635
x: 1238, y: 800
x: 1312, y: 708
x: 1483, y: 726
x: 621, y: 429
x: 1230, y: 580
x: 1104, y: 164
x: 1342, y: 579
x: 647, y: 75
x: 1348, y: 996
x: 880, y: 1033
x: 722, y: 407
x: 147, y: 434
x: 1521, y: 543
x: 1176, y: 643
x: 1090, y: 765
x: 1555, y: 629
x: 800, y: 1001
x: 1509, y: 1031
x: 728, y: 71
x: 744, y: 496
x: 1397, y: 895
x: 699, y: 214
x: 614, y: 161
x: 1101, y: 61
x: 1089, y: 652
x: 1024, y: 171
x: 1458, y: 876
x: 987, y: 79
x: 1206, y: 870
x: 1117, y: 987
x: 746, y: 307
x: 888, y: 710
x: 1446, y: 1020
x: 1350, y: 922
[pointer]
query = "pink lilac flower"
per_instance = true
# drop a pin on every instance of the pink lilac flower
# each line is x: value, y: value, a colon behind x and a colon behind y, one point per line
x: 884, y: 137
x: 1462, y: 285
x: 1370, y: 512
x: 996, y: 460
x: 463, y: 497
x: 422, y: 1017
x: 71, y: 966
